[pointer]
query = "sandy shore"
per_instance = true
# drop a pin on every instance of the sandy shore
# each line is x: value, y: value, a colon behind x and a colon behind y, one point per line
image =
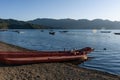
x: 48, y: 71
x: 9, y: 47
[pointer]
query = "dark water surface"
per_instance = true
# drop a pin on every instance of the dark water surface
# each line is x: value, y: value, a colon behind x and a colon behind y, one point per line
x: 107, y: 45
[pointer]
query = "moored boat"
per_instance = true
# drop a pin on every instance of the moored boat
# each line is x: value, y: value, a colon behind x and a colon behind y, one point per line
x: 105, y: 31
x: 3, y: 29
x: 52, y: 33
x: 117, y: 33
x: 63, y: 31
x: 43, y: 56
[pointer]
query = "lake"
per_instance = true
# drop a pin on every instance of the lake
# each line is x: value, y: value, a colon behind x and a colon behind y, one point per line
x: 106, y: 56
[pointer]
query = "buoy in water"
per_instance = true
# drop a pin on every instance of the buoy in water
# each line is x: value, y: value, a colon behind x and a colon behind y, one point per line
x: 104, y: 49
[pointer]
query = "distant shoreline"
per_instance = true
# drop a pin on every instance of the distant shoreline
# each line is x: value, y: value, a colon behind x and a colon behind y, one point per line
x: 50, y: 71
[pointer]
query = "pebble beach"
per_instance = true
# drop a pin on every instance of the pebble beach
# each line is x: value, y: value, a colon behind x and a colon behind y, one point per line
x: 48, y: 71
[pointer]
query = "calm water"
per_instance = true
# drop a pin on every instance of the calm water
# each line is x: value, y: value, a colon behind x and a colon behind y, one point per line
x: 104, y: 60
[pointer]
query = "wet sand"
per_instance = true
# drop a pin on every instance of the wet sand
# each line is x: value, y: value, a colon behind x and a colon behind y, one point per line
x: 48, y: 71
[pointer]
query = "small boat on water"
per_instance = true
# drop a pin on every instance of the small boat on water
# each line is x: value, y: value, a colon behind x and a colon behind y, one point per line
x: 3, y: 29
x: 52, y: 33
x: 17, y: 31
x: 117, y: 33
x: 16, y: 58
x: 63, y: 31
x: 105, y: 31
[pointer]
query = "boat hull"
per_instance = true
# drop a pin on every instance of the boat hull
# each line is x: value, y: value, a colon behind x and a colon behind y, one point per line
x: 32, y: 60
x: 43, y: 56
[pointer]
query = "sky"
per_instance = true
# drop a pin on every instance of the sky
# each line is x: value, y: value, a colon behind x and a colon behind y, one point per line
x: 60, y: 9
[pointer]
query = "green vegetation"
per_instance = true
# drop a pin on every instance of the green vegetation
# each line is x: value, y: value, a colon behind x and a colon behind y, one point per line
x: 14, y: 24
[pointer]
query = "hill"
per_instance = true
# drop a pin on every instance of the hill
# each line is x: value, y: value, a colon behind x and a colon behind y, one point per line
x: 46, y: 23
x: 15, y: 24
x: 77, y: 24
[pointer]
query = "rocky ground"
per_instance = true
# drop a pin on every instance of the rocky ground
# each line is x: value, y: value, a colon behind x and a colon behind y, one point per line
x: 48, y: 71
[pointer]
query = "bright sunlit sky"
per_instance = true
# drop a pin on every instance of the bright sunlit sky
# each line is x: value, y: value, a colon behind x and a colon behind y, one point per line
x: 60, y: 9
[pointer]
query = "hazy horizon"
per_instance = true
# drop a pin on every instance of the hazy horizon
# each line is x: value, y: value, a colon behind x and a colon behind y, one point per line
x: 59, y: 19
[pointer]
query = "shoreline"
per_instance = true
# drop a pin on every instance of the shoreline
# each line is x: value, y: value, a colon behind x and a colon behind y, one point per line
x: 10, y: 47
x: 49, y: 71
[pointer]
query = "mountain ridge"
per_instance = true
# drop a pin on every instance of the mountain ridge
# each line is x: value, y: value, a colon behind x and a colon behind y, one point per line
x: 49, y: 23
x: 77, y: 24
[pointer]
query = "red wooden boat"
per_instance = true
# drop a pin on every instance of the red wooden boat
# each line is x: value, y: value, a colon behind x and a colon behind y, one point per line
x: 43, y: 56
